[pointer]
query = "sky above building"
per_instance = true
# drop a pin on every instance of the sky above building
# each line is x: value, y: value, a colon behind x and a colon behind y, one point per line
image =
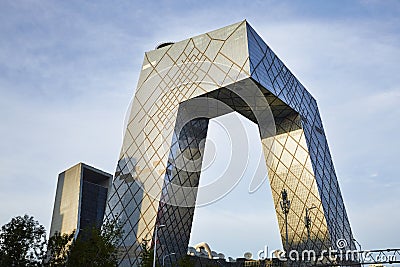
x: 68, y: 71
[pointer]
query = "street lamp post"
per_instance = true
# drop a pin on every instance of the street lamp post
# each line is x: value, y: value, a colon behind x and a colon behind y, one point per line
x: 163, y: 258
x: 285, y: 206
x: 307, y: 221
x: 155, y: 243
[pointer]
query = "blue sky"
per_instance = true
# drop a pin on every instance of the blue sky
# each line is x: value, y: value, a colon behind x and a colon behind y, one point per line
x: 69, y: 68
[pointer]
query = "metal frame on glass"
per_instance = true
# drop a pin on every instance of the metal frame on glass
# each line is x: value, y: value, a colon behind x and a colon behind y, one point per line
x: 184, y: 85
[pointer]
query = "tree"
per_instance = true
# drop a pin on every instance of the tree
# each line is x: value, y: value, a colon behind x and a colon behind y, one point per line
x: 185, y: 261
x: 94, y: 247
x: 22, y: 242
x: 58, y: 248
x: 147, y: 254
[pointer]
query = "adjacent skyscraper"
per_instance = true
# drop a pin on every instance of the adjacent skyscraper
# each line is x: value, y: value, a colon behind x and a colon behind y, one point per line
x: 184, y: 85
x: 80, y: 199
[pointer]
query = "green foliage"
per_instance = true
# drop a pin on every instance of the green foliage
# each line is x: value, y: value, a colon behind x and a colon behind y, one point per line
x: 97, y: 248
x: 146, y: 255
x: 22, y: 242
x: 58, y: 249
x: 186, y: 261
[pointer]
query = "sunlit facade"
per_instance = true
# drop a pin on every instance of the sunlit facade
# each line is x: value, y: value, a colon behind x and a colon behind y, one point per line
x: 80, y: 200
x: 184, y: 85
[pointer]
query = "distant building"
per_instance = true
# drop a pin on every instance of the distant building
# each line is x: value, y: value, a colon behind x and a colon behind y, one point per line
x: 80, y: 199
x: 203, y: 250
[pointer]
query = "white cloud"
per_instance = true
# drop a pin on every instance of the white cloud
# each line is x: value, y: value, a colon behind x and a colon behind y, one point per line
x: 67, y: 72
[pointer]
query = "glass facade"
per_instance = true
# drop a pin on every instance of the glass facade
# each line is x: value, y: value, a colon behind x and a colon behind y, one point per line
x: 94, y: 198
x: 303, y: 164
x: 81, y: 199
x: 181, y: 87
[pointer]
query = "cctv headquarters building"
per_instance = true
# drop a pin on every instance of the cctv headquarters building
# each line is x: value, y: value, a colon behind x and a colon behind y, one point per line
x: 181, y: 87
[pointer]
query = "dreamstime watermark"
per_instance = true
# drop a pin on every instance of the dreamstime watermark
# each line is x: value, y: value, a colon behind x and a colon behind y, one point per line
x: 338, y: 254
